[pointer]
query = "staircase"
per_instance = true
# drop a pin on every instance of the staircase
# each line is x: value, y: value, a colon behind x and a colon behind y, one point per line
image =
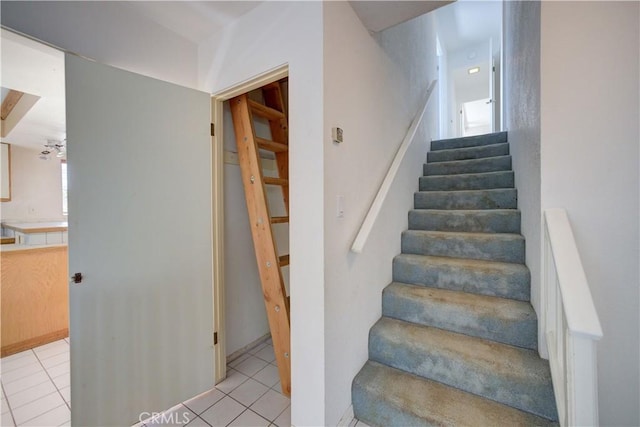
x: 456, y: 344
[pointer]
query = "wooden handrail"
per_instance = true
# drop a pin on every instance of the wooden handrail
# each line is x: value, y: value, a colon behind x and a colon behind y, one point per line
x: 376, y: 206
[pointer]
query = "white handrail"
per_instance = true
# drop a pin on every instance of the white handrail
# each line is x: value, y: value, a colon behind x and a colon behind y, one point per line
x: 376, y: 206
x: 571, y: 324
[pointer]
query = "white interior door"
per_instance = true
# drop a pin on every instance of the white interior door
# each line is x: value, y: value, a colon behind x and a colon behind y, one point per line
x: 141, y: 321
x: 492, y: 89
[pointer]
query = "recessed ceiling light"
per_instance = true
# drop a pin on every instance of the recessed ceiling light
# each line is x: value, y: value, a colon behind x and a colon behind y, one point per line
x: 474, y: 70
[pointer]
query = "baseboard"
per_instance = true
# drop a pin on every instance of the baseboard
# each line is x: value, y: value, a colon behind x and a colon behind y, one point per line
x: 348, y: 418
x: 233, y: 356
x: 17, y: 347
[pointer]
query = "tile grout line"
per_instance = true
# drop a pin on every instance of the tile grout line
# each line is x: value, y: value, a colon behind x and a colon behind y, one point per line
x: 53, y: 382
x: 6, y: 397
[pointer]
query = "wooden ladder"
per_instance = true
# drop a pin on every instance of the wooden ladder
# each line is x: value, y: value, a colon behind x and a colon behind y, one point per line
x: 243, y: 109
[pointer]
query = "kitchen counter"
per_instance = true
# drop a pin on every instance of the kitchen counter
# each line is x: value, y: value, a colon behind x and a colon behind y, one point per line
x: 36, y: 233
x: 36, y: 227
x: 16, y: 247
x: 35, y: 298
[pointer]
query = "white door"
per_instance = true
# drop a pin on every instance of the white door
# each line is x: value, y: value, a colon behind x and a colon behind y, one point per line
x: 492, y: 89
x: 141, y: 321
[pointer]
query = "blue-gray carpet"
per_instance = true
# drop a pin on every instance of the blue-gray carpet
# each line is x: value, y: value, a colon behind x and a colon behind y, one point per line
x: 457, y: 341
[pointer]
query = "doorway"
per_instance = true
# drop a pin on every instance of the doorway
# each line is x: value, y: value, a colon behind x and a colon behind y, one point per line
x: 240, y: 307
x: 470, y: 35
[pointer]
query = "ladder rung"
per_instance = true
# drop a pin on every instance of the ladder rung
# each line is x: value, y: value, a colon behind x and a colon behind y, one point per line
x: 276, y: 147
x: 264, y: 111
x: 279, y: 219
x: 275, y: 181
x: 284, y: 260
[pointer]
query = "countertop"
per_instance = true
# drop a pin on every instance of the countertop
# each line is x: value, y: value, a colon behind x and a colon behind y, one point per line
x: 35, y: 248
x: 36, y: 227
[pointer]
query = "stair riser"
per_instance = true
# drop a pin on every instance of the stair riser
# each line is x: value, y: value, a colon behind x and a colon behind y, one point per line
x: 489, y: 199
x: 468, y: 153
x: 493, y: 164
x: 411, y: 307
x: 479, y: 222
x: 491, y: 247
x: 406, y: 349
x: 473, y: 141
x: 505, y: 284
x: 467, y: 182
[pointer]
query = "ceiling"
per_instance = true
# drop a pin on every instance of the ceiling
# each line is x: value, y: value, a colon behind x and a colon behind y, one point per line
x: 193, y: 20
x: 35, y: 69
x: 469, y: 22
x: 197, y: 20
x: 380, y: 15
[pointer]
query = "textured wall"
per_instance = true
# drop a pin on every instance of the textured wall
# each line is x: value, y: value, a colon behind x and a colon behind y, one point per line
x: 522, y: 121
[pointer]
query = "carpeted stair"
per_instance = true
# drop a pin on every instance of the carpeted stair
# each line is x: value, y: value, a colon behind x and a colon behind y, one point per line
x: 457, y: 341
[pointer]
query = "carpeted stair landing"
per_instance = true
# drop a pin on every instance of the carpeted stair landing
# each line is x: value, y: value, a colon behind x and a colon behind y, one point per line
x: 457, y: 341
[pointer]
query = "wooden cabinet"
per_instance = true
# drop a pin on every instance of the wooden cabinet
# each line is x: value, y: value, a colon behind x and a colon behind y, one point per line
x: 35, y: 297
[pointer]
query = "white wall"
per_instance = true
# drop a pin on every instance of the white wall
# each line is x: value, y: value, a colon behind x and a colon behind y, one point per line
x: 109, y: 32
x: 372, y: 91
x: 590, y: 132
x: 36, y: 187
x: 522, y: 121
x: 273, y: 34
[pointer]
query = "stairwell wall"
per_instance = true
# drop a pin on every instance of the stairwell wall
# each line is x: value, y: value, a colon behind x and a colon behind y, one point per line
x: 266, y: 37
x: 372, y: 89
x: 590, y: 55
x: 521, y: 30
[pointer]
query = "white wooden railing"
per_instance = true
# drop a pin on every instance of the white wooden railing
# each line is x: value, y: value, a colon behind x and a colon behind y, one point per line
x: 376, y: 206
x: 570, y: 323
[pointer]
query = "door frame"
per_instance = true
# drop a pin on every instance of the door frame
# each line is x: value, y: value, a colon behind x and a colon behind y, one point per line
x: 217, y: 200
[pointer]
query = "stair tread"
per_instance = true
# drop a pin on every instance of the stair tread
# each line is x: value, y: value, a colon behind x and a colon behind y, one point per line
x: 472, y: 162
x: 268, y: 180
x: 484, y: 277
x: 458, y: 263
x: 505, y: 308
x: 466, y: 235
x: 273, y: 146
x: 462, y: 192
x: 467, y: 211
x: 470, y: 175
x: 509, y: 360
x: 404, y: 399
x: 469, y: 141
x: 494, y: 318
x: 508, y: 374
x: 508, y: 247
x: 470, y: 220
x: 468, y: 153
x: 264, y: 111
x: 468, y: 181
x: 466, y: 199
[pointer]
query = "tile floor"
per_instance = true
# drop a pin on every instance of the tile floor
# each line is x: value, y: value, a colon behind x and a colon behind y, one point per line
x: 35, y: 392
x: 35, y: 386
x: 249, y: 396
